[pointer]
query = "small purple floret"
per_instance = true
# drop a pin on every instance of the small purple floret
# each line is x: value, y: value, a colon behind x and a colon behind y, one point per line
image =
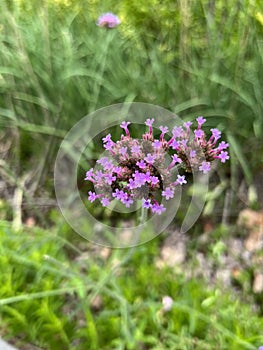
x: 200, y: 121
x: 181, y: 179
x: 124, y: 125
x: 150, y: 158
x: 92, y: 196
x: 223, y: 156
x: 205, y: 167
x: 168, y: 193
x: 146, y: 203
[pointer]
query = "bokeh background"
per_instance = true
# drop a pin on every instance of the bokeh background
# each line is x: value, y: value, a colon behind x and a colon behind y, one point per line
x: 58, y: 291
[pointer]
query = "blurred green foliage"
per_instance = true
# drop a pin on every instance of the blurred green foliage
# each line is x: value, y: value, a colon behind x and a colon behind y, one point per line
x: 201, y: 57
x: 56, y: 292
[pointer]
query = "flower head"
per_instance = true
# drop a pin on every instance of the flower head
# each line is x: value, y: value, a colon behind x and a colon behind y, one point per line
x: 135, y: 169
x: 108, y: 20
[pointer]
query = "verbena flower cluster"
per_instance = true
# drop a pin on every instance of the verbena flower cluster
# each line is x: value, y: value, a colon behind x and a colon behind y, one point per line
x: 138, y: 170
x: 108, y: 20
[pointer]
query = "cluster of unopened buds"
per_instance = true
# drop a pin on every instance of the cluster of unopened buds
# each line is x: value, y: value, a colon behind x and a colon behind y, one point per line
x: 136, y: 169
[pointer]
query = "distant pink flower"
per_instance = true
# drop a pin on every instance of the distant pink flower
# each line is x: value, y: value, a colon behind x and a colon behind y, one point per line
x: 108, y: 20
x: 167, y: 303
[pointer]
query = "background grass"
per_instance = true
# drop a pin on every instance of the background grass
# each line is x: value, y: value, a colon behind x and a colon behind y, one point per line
x: 56, y: 66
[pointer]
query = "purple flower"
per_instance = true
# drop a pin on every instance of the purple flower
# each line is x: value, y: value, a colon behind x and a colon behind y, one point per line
x: 117, y: 170
x: 139, y: 179
x: 168, y: 193
x: 167, y: 303
x: 223, y: 156
x: 181, y: 179
x: 223, y: 145
x: 175, y: 145
x: 123, y: 151
x: 92, y: 196
x: 127, y: 201
x: 107, y: 138
x: 154, y: 180
x: 136, y: 149
x: 108, y: 20
x: 132, y: 184
x: 192, y: 153
x: 137, y: 169
x: 176, y: 159
x: 89, y: 175
x: 119, y: 194
x: 124, y: 125
x: 164, y: 130
x: 141, y: 164
x: 105, y: 201
x: 158, y: 208
x: 183, y: 143
x: 187, y: 125
x: 199, y: 133
x: 200, y: 121
x: 177, y: 131
x: 99, y: 175
x: 216, y: 133
x: 102, y: 161
x: 157, y: 144
x: 146, y: 203
x: 150, y: 158
x: 149, y: 122
x: 205, y: 167
x: 108, y: 145
x: 109, y: 179
x: 108, y: 165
